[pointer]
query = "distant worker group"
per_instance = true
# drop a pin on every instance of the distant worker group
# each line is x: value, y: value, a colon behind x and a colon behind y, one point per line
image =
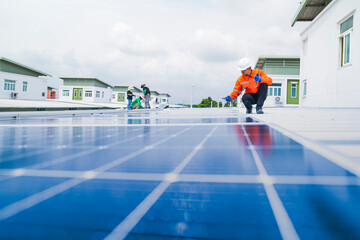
x: 255, y: 82
x: 136, y: 104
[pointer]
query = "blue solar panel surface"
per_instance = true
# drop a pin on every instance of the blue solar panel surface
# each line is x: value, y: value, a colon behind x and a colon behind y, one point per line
x: 172, y: 174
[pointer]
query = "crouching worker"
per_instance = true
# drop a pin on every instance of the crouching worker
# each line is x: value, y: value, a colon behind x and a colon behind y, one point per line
x: 255, y: 82
x: 136, y: 104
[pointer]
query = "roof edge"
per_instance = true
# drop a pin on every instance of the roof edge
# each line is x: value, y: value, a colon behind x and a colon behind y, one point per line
x: 279, y: 56
x: 318, y: 16
x: 300, y: 10
x: 83, y: 78
x: 24, y: 66
x: 126, y: 86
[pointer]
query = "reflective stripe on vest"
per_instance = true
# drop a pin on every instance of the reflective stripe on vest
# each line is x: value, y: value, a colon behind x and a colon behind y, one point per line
x: 237, y: 91
x: 244, y: 82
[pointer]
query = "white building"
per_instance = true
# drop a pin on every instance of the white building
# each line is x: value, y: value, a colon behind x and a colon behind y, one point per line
x: 159, y: 100
x: 164, y: 98
x: 330, y: 56
x: 18, y: 81
x: 119, y: 94
x: 284, y: 71
x: 86, y: 90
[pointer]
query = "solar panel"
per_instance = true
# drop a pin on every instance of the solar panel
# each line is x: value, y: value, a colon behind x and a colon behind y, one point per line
x: 170, y: 174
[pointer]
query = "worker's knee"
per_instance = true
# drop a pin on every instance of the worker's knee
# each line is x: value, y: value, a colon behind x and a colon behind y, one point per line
x: 246, y: 97
x: 263, y: 87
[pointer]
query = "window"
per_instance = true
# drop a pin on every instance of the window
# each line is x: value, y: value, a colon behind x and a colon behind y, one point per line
x: 66, y: 93
x: 113, y: 96
x: 274, y: 89
x: 102, y: 94
x: 80, y: 93
x: 277, y: 91
x: 121, y: 97
x: 304, y: 90
x: 346, y: 29
x: 25, y: 84
x: 9, y: 85
x: 293, y: 90
x: 43, y: 94
x: 97, y: 94
x: 88, y: 93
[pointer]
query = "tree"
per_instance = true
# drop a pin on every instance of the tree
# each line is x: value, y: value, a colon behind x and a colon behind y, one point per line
x: 208, y: 102
x: 233, y: 103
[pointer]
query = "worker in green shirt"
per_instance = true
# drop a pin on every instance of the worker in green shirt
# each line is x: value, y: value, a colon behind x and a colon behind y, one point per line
x: 136, y: 104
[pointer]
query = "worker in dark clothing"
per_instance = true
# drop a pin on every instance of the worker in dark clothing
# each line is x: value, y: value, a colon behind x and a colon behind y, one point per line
x: 255, y: 82
x: 130, y: 96
x: 147, y: 95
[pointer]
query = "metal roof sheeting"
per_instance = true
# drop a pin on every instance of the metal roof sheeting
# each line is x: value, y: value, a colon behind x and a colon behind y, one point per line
x: 308, y: 10
x: 21, y: 66
x: 79, y: 80
x: 261, y: 60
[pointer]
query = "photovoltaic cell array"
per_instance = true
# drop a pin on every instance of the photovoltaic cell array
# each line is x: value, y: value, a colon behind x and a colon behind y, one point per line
x: 169, y: 174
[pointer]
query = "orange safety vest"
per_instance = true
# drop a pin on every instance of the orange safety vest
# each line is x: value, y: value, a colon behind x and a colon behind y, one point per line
x: 249, y: 84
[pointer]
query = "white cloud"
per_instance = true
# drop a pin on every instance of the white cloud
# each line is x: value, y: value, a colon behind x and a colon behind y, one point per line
x: 214, y: 46
x: 167, y: 44
x: 127, y: 41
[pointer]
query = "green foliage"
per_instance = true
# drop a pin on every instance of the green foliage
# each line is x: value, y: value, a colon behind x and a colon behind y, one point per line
x: 208, y: 102
x: 233, y: 103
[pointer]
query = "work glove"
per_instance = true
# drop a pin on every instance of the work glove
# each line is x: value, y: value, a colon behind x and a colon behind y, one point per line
x: 227, y: 98
x: 257, y: 78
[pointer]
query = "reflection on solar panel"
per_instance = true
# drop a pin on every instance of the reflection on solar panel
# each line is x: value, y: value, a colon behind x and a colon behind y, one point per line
x: 172, y: 174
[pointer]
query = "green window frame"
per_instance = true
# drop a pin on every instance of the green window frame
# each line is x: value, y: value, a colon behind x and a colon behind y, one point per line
x: 121, y: 97
x: 293, y: 90
x: 9, y: 85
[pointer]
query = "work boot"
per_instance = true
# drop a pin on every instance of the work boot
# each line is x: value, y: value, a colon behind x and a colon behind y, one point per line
x: 259, y: 110
x: 248, y: 110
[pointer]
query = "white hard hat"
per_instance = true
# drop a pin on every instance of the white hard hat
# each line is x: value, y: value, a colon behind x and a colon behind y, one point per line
x: 244, y: 63
x: 130, y: 88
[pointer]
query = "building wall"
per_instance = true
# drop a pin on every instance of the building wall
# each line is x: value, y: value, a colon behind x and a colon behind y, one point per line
x: 283, y: 80
x: 115, y: 97
x: 329, y: 84
x: 93, y: 98
x: 36, y: 87
x: 116, y: 91
x: 282, y: 66
x: 54, y: 84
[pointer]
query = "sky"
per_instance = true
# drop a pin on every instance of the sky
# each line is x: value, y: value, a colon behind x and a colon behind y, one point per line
x: 181, y: 47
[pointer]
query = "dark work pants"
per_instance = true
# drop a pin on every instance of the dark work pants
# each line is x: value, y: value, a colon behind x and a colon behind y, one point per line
x: 256, y: 98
